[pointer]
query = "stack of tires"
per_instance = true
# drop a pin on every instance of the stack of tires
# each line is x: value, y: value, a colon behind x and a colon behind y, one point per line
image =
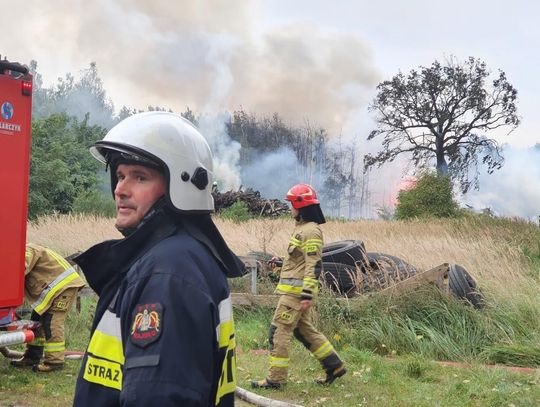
x: 343, y: 266
x: 348, y: 269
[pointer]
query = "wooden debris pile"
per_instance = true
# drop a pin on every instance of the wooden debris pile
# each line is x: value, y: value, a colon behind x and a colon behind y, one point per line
x: 256, y: 205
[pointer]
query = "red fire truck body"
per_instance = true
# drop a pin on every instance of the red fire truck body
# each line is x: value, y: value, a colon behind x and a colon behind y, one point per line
x: 15, y: 133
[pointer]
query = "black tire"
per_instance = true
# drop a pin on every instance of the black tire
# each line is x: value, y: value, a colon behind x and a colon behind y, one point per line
x: 385, y: 270
x: 343, y: 279
x: 349, y: 252
x: 463, y: 285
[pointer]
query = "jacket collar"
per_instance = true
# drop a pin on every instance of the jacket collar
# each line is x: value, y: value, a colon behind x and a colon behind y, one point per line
x: 106, y: 263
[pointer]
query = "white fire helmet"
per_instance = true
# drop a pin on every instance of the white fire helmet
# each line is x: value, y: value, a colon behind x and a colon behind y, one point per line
x: 175, y: 145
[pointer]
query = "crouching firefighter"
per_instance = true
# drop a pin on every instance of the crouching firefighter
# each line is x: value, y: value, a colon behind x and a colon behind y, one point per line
x: 298, y: 287
x: 51, y: 285
x: 163, y: 332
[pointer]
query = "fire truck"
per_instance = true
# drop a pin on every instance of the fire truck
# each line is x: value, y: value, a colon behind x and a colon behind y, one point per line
x: 15, y: 133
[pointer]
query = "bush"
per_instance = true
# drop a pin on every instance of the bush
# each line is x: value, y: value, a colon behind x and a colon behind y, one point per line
x: 94, y: 202
x: 432, y: 196
x: 237, y: 212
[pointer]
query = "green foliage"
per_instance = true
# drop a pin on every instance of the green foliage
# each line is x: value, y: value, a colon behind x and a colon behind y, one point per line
x: 94, y: 202
x: 432, y: 196
x: 415, y: 367
x: 237, y: 212
x: 61, y: 167
x: 514, y: 354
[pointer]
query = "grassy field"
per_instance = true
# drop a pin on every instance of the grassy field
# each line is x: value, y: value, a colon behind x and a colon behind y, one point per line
x: 390, y: 345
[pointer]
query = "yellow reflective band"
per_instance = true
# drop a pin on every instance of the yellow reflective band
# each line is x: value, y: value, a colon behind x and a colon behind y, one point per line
x: 106, y: 346
x: 103, y: 372
x: 312, y: 245
x: 310, y: 248
x: 37, y: 342
x: 227, y: 381
x: 311, y: 284
x: 324, y: 350
x: 55, y: 347
x: 225, y: 331
x: 41, y: 305
x: 316, y: 242
x: 279, y: 362
x: 288, y: 289
x: 295, y: 242
x: 59, y: 259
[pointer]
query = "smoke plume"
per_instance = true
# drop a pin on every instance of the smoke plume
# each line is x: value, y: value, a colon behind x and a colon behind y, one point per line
x: 208, y: 55
x: 514, y: 190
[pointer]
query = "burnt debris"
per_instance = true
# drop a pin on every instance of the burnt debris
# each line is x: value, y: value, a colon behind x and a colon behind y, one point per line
x: 256, y: 205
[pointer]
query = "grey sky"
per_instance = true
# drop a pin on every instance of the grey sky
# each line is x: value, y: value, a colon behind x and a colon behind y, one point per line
x: 314, y: 60
x: 405, y: 34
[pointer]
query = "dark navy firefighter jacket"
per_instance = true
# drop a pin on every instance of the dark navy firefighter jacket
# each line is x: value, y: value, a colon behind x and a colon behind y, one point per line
x: 163, y: 332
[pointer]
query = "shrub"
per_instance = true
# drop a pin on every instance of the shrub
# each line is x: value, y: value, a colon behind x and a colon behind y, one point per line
x: 432, y: 196
x: 237, y: 212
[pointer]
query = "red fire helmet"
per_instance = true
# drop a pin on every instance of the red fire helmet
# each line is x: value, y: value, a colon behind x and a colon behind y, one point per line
x: 302, y: 195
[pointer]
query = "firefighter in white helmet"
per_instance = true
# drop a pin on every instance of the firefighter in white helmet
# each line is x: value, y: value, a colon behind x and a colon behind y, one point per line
x: 163, y: 331
x: 298, y: 287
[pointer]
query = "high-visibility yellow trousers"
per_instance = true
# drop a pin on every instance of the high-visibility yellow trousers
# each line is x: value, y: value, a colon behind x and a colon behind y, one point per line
x: 289, y: 320
x: 51, y: 334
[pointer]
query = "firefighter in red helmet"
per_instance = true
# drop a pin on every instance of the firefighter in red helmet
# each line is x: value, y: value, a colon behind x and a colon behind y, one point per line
x: 298, y: 287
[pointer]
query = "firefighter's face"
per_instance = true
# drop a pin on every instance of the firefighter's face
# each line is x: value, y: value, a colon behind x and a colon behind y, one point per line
x: 294, y: 212
x: 138, y: 188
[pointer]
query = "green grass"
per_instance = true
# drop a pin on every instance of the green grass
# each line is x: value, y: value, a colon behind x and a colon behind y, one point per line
x: 389, y: 348
x: 408, y: 381
x: 390, y: 345
x: 22, y: 387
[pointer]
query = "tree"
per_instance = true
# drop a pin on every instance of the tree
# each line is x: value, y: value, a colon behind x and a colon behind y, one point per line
x: 442, y: 113
x: 74, y: 97
x: 61, y: 168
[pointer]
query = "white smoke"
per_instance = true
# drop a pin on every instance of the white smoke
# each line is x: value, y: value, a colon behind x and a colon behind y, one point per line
x: 206, y: 55
x: 514, y: 190
x: 274, y: 173
x: 226, y: 151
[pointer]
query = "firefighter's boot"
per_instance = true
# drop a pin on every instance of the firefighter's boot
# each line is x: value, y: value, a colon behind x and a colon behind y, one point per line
x: 48, y: 367
x: 30, y: 358
x: 332, y: 375
x: 264, y: 384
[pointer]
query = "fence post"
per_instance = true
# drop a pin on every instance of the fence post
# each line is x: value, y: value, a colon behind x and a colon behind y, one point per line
x: 254, y: 280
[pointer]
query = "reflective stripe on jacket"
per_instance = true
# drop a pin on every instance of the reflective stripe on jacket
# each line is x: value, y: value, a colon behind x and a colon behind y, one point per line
x: 47, y: 275
x: 302, y: 267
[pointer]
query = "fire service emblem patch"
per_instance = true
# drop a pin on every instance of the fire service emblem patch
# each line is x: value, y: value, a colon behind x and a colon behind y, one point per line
x: 147, y: 324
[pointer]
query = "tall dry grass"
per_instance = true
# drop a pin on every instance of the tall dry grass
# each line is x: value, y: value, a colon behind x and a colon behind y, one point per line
x: 68, y: 234
x: 492, y: 250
